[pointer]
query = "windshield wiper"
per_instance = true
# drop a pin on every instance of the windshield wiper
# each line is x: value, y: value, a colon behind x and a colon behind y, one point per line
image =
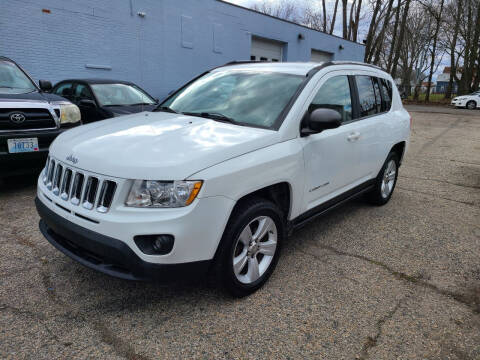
x: 166, y: 109
x: 142, y: 103
x: 213, y: 116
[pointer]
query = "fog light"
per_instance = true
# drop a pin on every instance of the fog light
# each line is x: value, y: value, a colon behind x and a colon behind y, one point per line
x: 154, y: 244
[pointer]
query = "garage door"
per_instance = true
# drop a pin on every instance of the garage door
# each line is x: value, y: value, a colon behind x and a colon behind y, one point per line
x: 320, y: 56
x: 266, y: 50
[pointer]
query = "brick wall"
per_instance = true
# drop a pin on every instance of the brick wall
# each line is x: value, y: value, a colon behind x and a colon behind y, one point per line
x: 175, y: 41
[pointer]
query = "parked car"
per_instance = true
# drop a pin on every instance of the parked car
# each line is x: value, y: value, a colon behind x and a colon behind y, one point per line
x: 100, y: 99
x: 470, y: 101
x: 30, y: 118
x: 226, y: 167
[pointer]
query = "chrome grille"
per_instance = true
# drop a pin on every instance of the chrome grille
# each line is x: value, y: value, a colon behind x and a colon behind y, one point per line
x: 79, y: 187
x: 34, y: 119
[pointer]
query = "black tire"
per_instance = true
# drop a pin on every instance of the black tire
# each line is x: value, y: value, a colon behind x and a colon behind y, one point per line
x: 243, y: 214
x: 375, y: 196
x: 471, y: 105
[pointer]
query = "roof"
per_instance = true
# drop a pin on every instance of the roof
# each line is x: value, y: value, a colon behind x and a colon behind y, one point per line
x: 443, y: 77
x: 296, y: 68
x: 100, y: 81
x: 6, y: 58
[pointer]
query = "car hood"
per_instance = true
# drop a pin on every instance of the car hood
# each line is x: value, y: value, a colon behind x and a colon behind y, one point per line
x: 121, y: 110
x: 156, y: 146
x: 34, y: 96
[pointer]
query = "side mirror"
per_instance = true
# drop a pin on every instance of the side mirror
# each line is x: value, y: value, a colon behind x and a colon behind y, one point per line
x: 321, y: 119
x: 45, y: 85
x: 87, y: 103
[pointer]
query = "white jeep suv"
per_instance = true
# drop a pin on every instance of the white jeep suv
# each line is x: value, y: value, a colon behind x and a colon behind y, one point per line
x: 225, y: 168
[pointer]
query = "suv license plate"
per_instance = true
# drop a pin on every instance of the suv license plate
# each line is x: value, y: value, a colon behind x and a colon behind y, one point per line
x: 22, y: 145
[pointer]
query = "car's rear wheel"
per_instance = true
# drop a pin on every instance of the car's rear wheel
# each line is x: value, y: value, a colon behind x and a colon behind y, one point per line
x: 385, y: 181
x: 250, y: 246
x: 471, y: 105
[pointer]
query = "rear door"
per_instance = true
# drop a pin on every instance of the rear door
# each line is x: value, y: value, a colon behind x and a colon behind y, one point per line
x: 373, y: 124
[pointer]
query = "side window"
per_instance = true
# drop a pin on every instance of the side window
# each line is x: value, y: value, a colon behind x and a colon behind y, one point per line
x: 366, y: 95
x: 334, y: 94
x: 386, y: 94
x: 82, y: 92
x: 378, y: 97
x: 64, y: 90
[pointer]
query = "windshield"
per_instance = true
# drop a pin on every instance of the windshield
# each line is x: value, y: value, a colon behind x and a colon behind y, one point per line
x: 120, y: 94
x: 248, y: 97
x: 13, y: 80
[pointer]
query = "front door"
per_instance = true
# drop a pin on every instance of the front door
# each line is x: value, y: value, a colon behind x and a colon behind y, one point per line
x: 89, y: 108
x: 332, y: 156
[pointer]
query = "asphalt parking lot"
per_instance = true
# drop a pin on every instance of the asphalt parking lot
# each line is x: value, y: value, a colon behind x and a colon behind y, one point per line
x: 395, y: 282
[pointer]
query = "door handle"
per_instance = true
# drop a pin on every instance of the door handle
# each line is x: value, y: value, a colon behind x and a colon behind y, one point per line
x: 353, y: 136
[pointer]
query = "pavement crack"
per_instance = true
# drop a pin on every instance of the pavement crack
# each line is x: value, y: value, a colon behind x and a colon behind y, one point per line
x: 372, y: 341
x: 437, y: 137
x: 472, y: 301
x: 439, y: 197
x: 121, y: 347
x: 19, y: 311
x: 441, y: 181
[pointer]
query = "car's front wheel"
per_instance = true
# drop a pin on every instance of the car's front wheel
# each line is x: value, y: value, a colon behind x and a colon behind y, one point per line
x: 250, y: 246
x: 471, y: 105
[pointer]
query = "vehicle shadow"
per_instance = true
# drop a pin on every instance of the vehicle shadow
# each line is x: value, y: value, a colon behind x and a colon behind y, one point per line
x: 113, y: 294
x: 18, y: 183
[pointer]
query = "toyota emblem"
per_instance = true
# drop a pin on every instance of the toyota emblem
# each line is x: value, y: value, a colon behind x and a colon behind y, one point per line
x: 17, y: 118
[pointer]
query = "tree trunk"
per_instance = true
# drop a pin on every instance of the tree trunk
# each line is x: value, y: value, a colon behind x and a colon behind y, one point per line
x: 394, y: 36
x: 324, y: 16
x: 453, y: 45
x: 400, y: 38
x: 381, y: 37
x: 434, y: 49
x: 351, y: 24
x: 344, y: 16
x: 473, y: 52
x: 371, y: 31
x: 357, y: 20
x: 463, y: 84
x: 332, y: 25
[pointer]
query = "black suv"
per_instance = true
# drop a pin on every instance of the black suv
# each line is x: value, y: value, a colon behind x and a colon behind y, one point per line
x: 30, y: 119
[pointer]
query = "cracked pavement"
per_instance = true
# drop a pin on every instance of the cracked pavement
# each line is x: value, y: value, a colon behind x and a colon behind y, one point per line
x: 395, y: 282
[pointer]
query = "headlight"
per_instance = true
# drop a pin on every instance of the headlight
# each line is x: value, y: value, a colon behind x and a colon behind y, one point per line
x: 163, y: 194
x: 69, y: 113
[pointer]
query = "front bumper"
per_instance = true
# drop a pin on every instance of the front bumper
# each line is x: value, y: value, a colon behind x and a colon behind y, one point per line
x: 108, y: 255
x: 458, y: 103
x: 28, y: 162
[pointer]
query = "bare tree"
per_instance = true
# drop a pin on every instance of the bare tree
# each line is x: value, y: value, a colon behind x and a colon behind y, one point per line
x: 455, y: 9
x: 285, y: 9
x: 436, y: 11
x: 380, y: 40
x: 400, y: 38
x: 371, y: 29
x: 344, y: 17
x: 334, y: 17
x: 394, y: 36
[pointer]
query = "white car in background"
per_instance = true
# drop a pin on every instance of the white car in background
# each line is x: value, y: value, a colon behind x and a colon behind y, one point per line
x: 469, y: 101
x: 225, y: 168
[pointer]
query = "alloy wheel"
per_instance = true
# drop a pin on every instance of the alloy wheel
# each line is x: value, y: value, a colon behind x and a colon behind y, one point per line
x: 388, y: 179
x: 255, y: 249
